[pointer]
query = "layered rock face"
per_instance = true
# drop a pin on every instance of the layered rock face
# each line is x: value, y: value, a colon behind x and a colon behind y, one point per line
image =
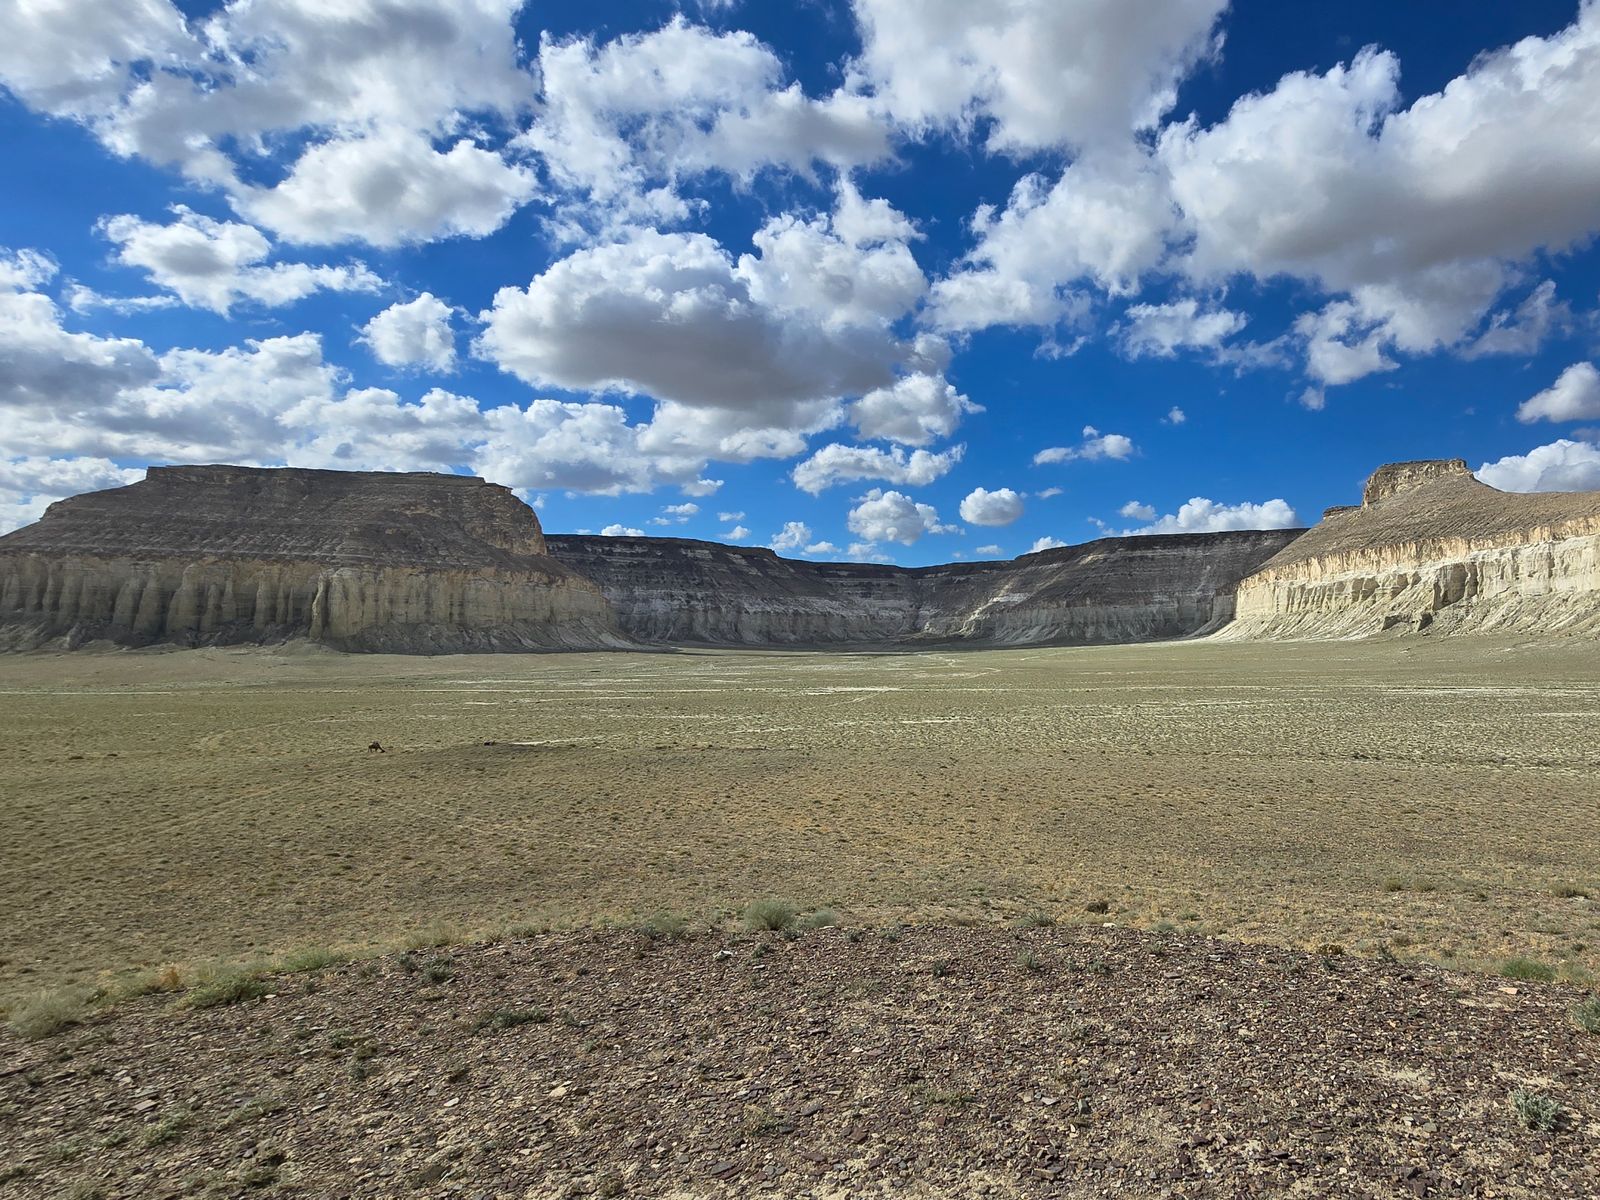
x: 207, y: 555
x: 670, y: 590
x: 1430, y: 547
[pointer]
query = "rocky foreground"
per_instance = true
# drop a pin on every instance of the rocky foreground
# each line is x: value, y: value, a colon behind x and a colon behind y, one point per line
x: 932, y: 1061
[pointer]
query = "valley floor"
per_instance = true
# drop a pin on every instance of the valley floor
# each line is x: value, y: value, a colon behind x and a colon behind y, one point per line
x: 1431, y: 797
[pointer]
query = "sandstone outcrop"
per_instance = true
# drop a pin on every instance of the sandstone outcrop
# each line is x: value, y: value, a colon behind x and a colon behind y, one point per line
x: 209, y: 555
x: 1430, y: 547
x: 671, y: 590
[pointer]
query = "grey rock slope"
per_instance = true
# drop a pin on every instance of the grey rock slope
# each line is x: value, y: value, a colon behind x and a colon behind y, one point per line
x: 208, y: 555
x: 1430, y: 547
x: 671, y: 590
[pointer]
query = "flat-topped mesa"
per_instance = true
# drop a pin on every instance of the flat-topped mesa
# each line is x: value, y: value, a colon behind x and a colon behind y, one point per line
x: 1394, y: 478
x: 203, y: 555
x: 1431, y: 547
x: 674, y: 590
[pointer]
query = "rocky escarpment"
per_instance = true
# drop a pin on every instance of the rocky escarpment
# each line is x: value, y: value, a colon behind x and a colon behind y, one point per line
x: 1112, y: 590
x: 1430, y: 547
x: 211, y: 555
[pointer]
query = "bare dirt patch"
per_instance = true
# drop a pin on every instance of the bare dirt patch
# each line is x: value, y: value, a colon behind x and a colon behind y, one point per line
x: 927, y: 1061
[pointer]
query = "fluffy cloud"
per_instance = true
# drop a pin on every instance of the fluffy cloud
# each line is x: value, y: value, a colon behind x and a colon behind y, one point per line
x: 621, y: 531
x: 30, y: 485
x: 1047, y: 543
x: 388, y: 188
x: 215, y: 264
x: 1046, y: 72
x: 620, y: 122
x: 737, y: 534
x: 1161, y: 330
x: 915, y: 409
x: 224, y: 93
x: 50, y: 376
x: 999, y: 507
x: 1101, y: 222
x: 1200, y: 515
x: 415, y: 333
x: 1562, y: 466
x: 1095, y: 445
x: 1575, y: 396
x: 1418, y: 213
x: 745, y: 358
x: 1135, y: 510
x: 882, y: 516
x: 835, y: 464
x: 792, y: 536
x: 676, y: 514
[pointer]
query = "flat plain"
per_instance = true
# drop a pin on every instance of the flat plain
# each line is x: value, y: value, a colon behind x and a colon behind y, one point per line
x: 1426, y: 798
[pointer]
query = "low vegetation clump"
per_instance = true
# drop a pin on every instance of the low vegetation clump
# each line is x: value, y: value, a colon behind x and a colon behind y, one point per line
x: 1035, y: 920
x: 1097, y: 906
x: 1568, y: 892
x: 823, y: 918
x: 1537, y: 1111
x: 769, y: 914
x: 1028, y: 960
x: 1586, y: 1015
x: 172, y: 1123
x: 234, y: 987
x: 47, y: 1012
x: 314, y: 958
x: 665, y: 927
x: 1529, y: 970
x: 510, y: 1018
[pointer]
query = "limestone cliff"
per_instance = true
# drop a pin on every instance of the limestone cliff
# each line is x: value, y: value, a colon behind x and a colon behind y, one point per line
x: 671, y: 590
x: 1430, y: 547
x: 210, y: 555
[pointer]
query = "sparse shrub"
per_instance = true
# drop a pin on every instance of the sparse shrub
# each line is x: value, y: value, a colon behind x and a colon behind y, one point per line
x: 1035, y: 920
x: 1537, y: 1111
x: 430, y: 937
x: 1330, y: 949
x: 438, y: 969
x: 1568, y: 892
x: 941, y: 968
x: 84, y: 1189
x: 892, y: 934
x: 510, y: 1018
x: 313, y: 958
x: 172, y: 1123
x: 1529, y: 970
x: 1586, y: 1015
x: 823, y: 918
x: 665, y: 926
x: 233, y: 987
x: 149, y: 983
x: 1028, y: 960
x: 47, y: 1012
x: 1097, y: 906
x: 769, y: 914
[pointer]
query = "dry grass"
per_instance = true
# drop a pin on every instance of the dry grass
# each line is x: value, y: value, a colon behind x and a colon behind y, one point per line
x: 177, y: 807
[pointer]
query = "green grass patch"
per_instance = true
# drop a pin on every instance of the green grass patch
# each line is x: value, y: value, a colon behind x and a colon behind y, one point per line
x: 231, y: 987
x: 1529, y: 970
x: 769, y: 914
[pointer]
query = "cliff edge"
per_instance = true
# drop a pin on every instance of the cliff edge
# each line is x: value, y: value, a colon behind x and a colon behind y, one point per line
x: 672, y: 590
x: 213, y: 555
x: 1432, y: 548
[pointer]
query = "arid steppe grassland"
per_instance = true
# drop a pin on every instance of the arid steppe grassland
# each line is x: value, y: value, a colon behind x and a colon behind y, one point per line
x: 1435, y: 799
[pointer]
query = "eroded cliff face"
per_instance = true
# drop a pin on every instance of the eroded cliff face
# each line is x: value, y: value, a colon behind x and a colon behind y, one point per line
x: 412, y: 563
x: 1431, y: 548
x: 670, y: 590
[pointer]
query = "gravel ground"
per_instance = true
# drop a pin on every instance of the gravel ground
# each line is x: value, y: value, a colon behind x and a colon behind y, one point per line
x: 931, y: 1061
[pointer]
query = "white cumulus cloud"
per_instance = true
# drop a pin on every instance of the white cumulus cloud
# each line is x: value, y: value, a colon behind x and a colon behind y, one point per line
x: 1575, y: 396
x: 983, y: 507
x: 413, y: 333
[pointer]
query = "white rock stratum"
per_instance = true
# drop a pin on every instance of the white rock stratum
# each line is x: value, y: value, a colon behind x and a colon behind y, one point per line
x: 1432, y: 548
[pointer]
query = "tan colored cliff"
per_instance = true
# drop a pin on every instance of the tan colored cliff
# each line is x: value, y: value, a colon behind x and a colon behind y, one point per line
x: 412, y: 563
x: 1432, y: 548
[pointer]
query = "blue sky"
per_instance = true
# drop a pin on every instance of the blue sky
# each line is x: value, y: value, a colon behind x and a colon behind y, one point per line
x: 911, y: 280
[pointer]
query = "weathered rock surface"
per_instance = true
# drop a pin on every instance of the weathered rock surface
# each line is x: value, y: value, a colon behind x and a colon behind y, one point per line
x: 1430, y: 547
x: 208, y: 555
x: 1112, y: 590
